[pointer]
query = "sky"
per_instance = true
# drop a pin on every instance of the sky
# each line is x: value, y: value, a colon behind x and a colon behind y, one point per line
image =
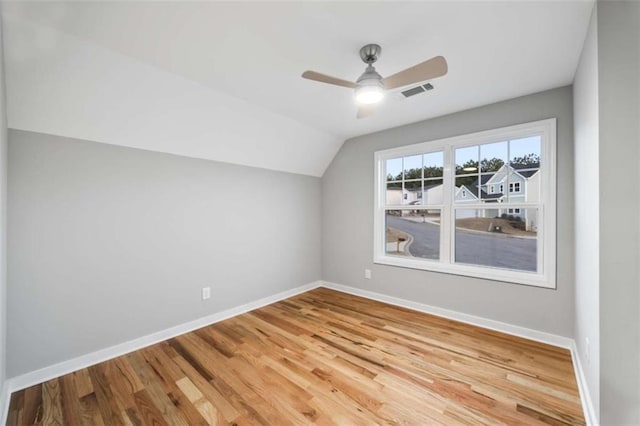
x: 512, y: 149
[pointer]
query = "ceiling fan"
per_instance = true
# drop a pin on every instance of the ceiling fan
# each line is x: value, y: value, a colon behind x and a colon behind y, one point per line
x: 370, y: 87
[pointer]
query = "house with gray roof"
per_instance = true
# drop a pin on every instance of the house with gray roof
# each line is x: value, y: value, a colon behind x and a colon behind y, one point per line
x: 511, y: 184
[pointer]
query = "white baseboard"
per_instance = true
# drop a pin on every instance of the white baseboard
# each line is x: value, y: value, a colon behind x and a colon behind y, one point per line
x: 527, y: 333
x: 5, y: 398
x: 47, y: 373
x: 585, y: 395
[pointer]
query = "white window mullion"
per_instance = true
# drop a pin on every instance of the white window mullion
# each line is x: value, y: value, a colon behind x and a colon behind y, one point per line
x: 448, y: 184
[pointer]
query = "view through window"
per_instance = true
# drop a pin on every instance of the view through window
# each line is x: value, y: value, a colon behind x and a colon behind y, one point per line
x: 442, y: 205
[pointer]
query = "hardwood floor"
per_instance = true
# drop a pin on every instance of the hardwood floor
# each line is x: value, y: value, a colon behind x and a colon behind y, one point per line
x: 322, y: 357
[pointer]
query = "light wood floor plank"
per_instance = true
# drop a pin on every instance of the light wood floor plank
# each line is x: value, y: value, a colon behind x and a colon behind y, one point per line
x: 322, y: 358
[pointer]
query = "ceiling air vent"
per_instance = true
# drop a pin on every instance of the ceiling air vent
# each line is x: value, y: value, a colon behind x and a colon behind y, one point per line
x: 416, y: 90
x: 413, y: 91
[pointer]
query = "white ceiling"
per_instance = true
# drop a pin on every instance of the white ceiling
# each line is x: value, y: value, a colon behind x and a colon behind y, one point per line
x: 236, y: 68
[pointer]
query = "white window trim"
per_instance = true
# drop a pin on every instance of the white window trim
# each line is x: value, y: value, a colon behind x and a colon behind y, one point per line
x: 546, y: 255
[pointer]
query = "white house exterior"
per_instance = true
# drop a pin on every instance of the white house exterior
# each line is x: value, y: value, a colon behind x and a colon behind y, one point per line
x: 512, y: 184
x: 429, y: 195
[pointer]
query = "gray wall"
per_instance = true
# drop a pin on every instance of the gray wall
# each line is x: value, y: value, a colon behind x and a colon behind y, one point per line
x: 587, y: 234
x: 107, y: 244
x: 618, y: 80
x: 347, y: 221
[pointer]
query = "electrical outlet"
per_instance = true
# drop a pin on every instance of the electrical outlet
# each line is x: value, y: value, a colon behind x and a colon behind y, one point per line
x: 587, y: 350
x: 367, y: 274
x: 206, y: 293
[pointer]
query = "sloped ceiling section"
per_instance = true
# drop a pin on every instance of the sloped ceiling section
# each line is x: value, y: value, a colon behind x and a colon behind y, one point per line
x: 63, y: 85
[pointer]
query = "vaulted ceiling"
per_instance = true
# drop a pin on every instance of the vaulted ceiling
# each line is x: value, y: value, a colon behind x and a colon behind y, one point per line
x: 221, y: 80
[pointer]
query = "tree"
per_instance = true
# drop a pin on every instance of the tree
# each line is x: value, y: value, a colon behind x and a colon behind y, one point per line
x: 432, y: 172
x: 413, y: 184
x: 471, y: 167
x: 492, y: 165
x: 429, y: 172
x: 412, y: 174
x: 487, y: 165
x: 527, y: 160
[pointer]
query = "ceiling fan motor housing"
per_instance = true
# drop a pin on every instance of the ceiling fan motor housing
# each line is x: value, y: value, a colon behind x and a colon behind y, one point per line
x: 370, y: 53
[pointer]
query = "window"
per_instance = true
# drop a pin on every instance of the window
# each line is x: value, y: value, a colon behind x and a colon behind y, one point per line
x: 459, y: 224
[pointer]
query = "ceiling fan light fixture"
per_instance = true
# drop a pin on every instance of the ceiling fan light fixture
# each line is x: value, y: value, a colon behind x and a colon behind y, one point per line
x: 370, y: 89
x: 368, y: 93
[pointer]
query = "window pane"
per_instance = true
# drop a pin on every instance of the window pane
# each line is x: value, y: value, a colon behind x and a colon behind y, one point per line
x: 432, y: 192
x: 520, y: 189
x: 433, y: 164
x: 412, y: 192
x: 525, y: 151
x: 413, y: 167
x: 394, y: 193
x: 497, y: 238
x: 394, y: 169
x: 466, y: 189
x: 467, y: 160
x: 524, y: 177
x: 413, y: 233
x: 493, y: 156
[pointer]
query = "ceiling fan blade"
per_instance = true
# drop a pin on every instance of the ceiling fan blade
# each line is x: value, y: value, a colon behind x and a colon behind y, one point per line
x: 366, y: 110
x: 427, y: 70
x: 323, y: 78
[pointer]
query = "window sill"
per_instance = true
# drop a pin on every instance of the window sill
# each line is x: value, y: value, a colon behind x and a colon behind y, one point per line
x: 493, y: 274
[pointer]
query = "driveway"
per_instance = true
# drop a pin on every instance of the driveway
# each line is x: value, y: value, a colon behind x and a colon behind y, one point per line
x: 471, y: 247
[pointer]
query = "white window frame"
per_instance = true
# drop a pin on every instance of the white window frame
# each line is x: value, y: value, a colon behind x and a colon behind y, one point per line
x: 546, y: 247
x: 512, y: 188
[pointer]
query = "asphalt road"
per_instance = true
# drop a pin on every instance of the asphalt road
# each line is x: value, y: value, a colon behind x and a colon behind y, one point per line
x: 472, y: 248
